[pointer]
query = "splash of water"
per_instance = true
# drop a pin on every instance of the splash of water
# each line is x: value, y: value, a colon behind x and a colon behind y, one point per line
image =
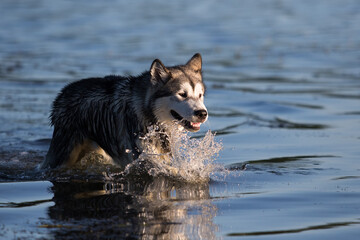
x: 189, y: 159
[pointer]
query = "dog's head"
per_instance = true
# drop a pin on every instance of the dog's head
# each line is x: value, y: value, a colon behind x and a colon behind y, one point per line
x: 178, y: 94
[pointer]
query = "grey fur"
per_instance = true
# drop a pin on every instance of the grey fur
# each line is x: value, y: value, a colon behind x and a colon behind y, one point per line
x: 111, y: 113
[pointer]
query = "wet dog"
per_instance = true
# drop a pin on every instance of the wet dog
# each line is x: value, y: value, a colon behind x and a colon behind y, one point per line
x: 111, y: 115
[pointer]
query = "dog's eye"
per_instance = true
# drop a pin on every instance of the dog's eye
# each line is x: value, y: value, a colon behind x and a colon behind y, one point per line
x: 184, y: 94
x: 200, y: 95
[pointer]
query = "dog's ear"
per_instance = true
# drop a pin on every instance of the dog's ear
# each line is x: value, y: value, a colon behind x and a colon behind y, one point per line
x: 195, y: 62
x: 159, y: 73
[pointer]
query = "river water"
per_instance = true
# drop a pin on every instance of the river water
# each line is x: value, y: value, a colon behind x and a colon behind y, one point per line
x: 283, y: 94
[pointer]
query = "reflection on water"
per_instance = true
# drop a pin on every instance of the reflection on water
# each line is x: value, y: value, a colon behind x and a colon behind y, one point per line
x: 159, y: 209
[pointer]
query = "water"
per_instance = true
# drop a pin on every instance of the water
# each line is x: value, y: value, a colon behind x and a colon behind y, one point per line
x: 190, y: 159
x: 283, y: 91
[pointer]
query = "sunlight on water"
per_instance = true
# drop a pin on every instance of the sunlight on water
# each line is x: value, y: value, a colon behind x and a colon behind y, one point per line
x: 190, y: 159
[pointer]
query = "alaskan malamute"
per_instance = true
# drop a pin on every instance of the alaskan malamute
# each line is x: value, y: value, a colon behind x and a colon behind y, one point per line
x: 110, y: 115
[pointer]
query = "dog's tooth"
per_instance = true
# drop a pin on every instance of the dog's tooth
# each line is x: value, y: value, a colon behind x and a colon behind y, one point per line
x: 195, y: 124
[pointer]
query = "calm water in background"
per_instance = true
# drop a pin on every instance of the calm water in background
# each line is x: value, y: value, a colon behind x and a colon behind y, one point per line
x: 283, y: 92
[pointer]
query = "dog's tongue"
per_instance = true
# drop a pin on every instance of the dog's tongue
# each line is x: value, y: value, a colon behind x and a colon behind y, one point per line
x: 196, y: 125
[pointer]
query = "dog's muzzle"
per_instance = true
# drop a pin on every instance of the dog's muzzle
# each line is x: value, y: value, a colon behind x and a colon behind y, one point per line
x: 201, y: 114
x: 191, y: 126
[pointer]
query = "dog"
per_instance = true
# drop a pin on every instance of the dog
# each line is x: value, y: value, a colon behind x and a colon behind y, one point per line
x: 111, y: 115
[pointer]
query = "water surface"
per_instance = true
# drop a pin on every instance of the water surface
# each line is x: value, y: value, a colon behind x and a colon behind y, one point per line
x: 283, y: 92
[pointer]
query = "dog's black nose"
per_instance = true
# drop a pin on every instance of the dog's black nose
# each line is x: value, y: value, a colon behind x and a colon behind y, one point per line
x: 200, y: 113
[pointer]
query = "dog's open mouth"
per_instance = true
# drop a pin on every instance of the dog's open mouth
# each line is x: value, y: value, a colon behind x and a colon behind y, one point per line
x: 191, y: 126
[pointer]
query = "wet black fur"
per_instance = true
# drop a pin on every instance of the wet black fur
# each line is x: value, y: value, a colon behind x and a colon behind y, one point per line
x: 97, y: 109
